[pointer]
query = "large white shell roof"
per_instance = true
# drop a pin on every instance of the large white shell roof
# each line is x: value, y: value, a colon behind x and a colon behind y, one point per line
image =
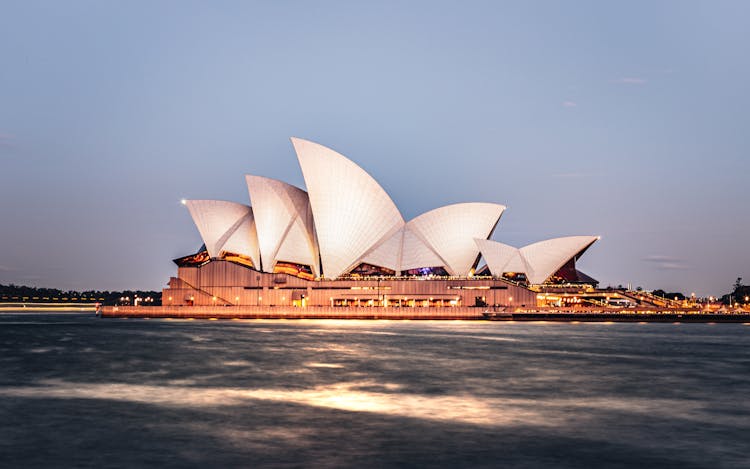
x: 352, y: 212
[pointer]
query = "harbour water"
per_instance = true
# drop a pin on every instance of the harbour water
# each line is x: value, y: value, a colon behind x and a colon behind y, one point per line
x: 77, y: 391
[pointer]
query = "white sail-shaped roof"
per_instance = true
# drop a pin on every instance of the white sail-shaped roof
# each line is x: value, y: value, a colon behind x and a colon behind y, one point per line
x: 346, y: 218
x: 222, y: 223
x: 416, y: 253
x: 388, y: 253
x: 546, y: 257
x: 284, y: 223
x: 450, y: 231
x: 537, y: 261
x: 244, y: 240
x: 501, y: 258
x: 352, y: 212
x: 403, y: 251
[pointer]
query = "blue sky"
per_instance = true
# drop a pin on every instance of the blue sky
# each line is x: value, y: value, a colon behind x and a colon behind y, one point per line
x: 627, y: 120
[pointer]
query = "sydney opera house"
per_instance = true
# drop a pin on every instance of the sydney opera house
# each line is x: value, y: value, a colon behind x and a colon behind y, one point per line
x: 342, y: 242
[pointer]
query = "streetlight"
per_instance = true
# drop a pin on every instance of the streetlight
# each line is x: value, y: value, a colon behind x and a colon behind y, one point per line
x: 379, y: 290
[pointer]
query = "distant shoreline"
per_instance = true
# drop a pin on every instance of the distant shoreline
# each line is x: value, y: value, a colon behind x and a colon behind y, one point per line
x: 46, y: 307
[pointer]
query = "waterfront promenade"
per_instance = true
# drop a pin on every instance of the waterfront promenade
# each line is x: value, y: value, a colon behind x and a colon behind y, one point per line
x: 433, y: 313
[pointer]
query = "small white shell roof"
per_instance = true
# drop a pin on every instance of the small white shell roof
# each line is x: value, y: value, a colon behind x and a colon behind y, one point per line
x: 243, y: 240
x: 405, y: 250
x: 501, y: 258
x: 416, y: 253
x: 546, y: 257
x: 284, y: 223
x: 388, y: 253
x: 352, y: 212
x: 225, y: 226
x: 450, y: 232
x: 538, y: 260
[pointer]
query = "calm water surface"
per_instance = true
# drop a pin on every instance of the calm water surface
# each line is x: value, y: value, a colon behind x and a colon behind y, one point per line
x: 84, y: 392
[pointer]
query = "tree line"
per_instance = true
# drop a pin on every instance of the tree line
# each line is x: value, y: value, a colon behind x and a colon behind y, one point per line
x: 25, y: 294
x: 740, y: 293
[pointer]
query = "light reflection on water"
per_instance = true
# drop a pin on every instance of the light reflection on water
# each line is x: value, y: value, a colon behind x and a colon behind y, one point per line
x: 371, y: 393
x: 324, y: 365
x: 368, y: 396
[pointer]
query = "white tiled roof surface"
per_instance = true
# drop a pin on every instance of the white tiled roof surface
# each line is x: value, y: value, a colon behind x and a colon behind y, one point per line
x: 538, y: 260
x: 352, y: 212
x: 450, y: 232
x: 284, y: 223
x: 220, y: 222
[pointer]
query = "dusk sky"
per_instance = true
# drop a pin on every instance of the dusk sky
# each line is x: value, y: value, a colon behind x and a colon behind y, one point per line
x: 630, y: 121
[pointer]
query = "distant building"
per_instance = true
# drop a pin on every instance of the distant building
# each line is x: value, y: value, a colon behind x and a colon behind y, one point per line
x: 343, y: 242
